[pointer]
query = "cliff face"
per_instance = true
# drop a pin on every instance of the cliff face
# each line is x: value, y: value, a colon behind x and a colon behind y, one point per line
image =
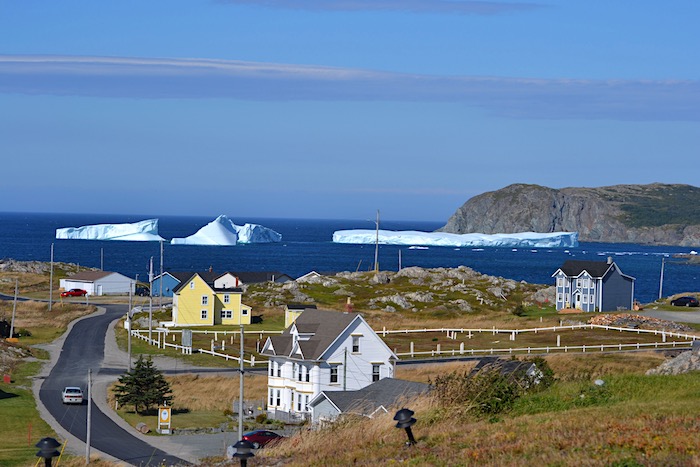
x: 648, y: 214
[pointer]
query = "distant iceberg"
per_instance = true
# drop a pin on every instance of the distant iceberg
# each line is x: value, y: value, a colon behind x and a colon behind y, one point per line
x: 223, y: 232
x: 412, y: 237
x: 144, y: 231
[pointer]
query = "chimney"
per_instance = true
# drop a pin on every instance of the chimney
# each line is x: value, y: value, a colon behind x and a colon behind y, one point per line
x: 609, y: 259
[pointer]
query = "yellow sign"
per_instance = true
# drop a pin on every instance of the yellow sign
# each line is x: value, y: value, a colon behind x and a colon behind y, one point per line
x: 164, y: 415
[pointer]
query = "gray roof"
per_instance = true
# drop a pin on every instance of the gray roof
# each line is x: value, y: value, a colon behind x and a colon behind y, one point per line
x: 573, y: 268
x: 386, y: 392
x: 89, y: 276
x: 324, y: 326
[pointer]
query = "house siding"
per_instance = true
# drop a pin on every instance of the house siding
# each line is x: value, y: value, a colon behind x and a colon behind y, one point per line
x: 189, y: 304
x: 619, y: 291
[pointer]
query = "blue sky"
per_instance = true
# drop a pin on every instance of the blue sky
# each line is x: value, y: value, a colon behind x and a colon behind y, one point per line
x: 337, y: 108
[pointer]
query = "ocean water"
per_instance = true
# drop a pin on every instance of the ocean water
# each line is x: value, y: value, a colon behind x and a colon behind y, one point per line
x: 307, y: 246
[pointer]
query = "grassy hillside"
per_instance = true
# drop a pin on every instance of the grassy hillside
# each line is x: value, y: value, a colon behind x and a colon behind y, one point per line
x: 657, y: 205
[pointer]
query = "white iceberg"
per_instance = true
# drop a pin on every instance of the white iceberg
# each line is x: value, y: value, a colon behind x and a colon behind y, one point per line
x: 223, y: 232
x: 413, y: 237
x: 143, y: 231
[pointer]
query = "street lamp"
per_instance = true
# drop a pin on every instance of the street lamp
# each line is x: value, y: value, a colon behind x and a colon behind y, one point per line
x: 244, y: 451
x: 404, y: 418
x: 47, y: 450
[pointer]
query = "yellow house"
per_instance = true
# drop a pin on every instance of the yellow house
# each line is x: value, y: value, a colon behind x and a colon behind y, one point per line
x: 196, y: 302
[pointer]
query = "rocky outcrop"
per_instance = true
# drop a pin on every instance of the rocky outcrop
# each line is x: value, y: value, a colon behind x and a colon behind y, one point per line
x: 647, y: 214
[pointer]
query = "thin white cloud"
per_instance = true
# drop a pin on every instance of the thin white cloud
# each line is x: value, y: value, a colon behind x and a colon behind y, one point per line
x: 200, y: 78
x: 463, y: 7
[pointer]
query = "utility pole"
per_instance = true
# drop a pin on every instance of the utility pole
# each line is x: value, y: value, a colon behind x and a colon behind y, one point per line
x: 89, y: 417
x: 345, y: 369
x: 661, y: 281
x: 150, y: 298
x: 240, y: 394
x: 14, y: 308
x: 102, y: 259
x: 376, y: 246
x: 51, y: 280
x: 160, y: 296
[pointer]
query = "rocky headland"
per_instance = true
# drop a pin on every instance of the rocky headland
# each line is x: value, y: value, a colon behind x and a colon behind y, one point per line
x: 654, y: 214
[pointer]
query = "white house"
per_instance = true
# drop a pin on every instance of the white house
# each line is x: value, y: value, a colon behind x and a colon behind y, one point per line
x: 322, y: 351
x: 99, y: 283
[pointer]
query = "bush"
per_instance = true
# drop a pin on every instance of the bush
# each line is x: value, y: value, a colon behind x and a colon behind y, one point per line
x: 261, y: 418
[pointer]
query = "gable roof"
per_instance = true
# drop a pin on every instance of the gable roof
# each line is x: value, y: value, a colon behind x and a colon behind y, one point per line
x: 89, y: 276
x: 381, y: 394
x: 208, y: 277
x: 324, y: 326
x: 256, y: 277
x: 573, y: 268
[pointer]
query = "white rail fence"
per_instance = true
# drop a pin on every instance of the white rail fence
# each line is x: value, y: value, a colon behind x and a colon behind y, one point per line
x: 684, y: 341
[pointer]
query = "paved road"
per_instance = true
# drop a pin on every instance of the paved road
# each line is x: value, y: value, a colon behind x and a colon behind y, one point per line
x: 677, y: 316
x: 83, y: 349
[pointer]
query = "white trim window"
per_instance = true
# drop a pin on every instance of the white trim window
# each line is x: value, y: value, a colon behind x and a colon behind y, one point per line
x: 355, y: 344
x: 204, y: 314
x: 192, y: 285
x: 560, y: 281
x: 272, y: 397
x: 375, y: 372
x: 227, y: 298
x: 205, y: 300
x: 226, y: 314
x: 334, y: 374
x: 244, y: 311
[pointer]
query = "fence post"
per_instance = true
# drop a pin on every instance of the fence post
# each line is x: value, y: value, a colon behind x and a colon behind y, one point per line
x: 411, y: 349
x: 512, y: 336
x: 223, y: 345
x: 558, y: 340
x: 212, y: 345
x: 438, y: 350
x: 461, y: 348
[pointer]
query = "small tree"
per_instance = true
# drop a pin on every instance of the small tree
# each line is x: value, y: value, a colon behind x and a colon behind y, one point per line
x: 144, y: 386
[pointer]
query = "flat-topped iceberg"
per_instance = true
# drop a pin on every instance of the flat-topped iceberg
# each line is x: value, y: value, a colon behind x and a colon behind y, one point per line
x: 143, y: 231
x: 223, y: 232
x: 413, y: 237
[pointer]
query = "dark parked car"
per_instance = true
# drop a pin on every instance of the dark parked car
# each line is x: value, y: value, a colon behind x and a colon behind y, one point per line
x: 260, y: 438
x: 142, y: 291
x: 685, y: 301
x: 74, y: 293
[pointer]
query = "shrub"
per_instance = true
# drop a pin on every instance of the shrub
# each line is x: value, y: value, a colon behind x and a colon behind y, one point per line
x: 261, y: 418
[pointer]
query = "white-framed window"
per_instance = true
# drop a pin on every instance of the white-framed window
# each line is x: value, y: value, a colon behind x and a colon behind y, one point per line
x: 560, y: 282
x: 192, y: 285
x: 307, y: 374
x: 204, y: 314
x: 272, y: 368
x: 334, y: 374
x: 272, y: 397
x: 279, y: 397
x: 279, y: 370
x: 205, y: 300
x: 375, y: 372
x: 226, y: 314
x: 306, y: 403
x: 298, y: 402
x: 579, y: 283
x: 585, y: 298
x: 299, y: 372
x: 227, y: 298
x: 244, y: 311
x: 355, y: 344
x: 560, y: 298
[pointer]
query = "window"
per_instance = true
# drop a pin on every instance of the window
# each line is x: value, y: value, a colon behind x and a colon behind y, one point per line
x: 559, y: 298
x: 279, y: 370
x: 192, y: 285
x: 578, y: 282
x: 375, y: 373
x: 204, y: 314
x: 279, y: 397
x: 560, y: 282
x: 299, y: 372
x: 272, y: 397
x: 205, y: 300
x: 355, y: 344
x: 307, y: 374
x: 227, y: 298
x: 298, y: 402
x: 244, y: 312
x: 272, y: 369
x: 226, y: 314
x: 306, y: 403
x: 585, y: 298
x: 334, y: 374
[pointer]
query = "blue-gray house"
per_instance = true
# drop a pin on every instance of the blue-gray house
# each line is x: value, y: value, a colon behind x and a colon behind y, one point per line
x: 593, y: 286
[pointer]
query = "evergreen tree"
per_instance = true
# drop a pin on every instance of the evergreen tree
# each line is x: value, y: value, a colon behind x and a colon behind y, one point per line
x: 144, y: 386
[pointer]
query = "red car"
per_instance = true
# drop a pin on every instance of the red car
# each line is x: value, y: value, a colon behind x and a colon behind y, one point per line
x: 74, y: 293
x: 260, y: 438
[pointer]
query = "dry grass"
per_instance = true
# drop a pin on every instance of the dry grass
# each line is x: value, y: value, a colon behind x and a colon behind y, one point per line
x: 31, y: 314
x: 214, y: 393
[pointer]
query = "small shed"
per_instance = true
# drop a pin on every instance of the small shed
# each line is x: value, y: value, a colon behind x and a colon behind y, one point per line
x: 99, y: 283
